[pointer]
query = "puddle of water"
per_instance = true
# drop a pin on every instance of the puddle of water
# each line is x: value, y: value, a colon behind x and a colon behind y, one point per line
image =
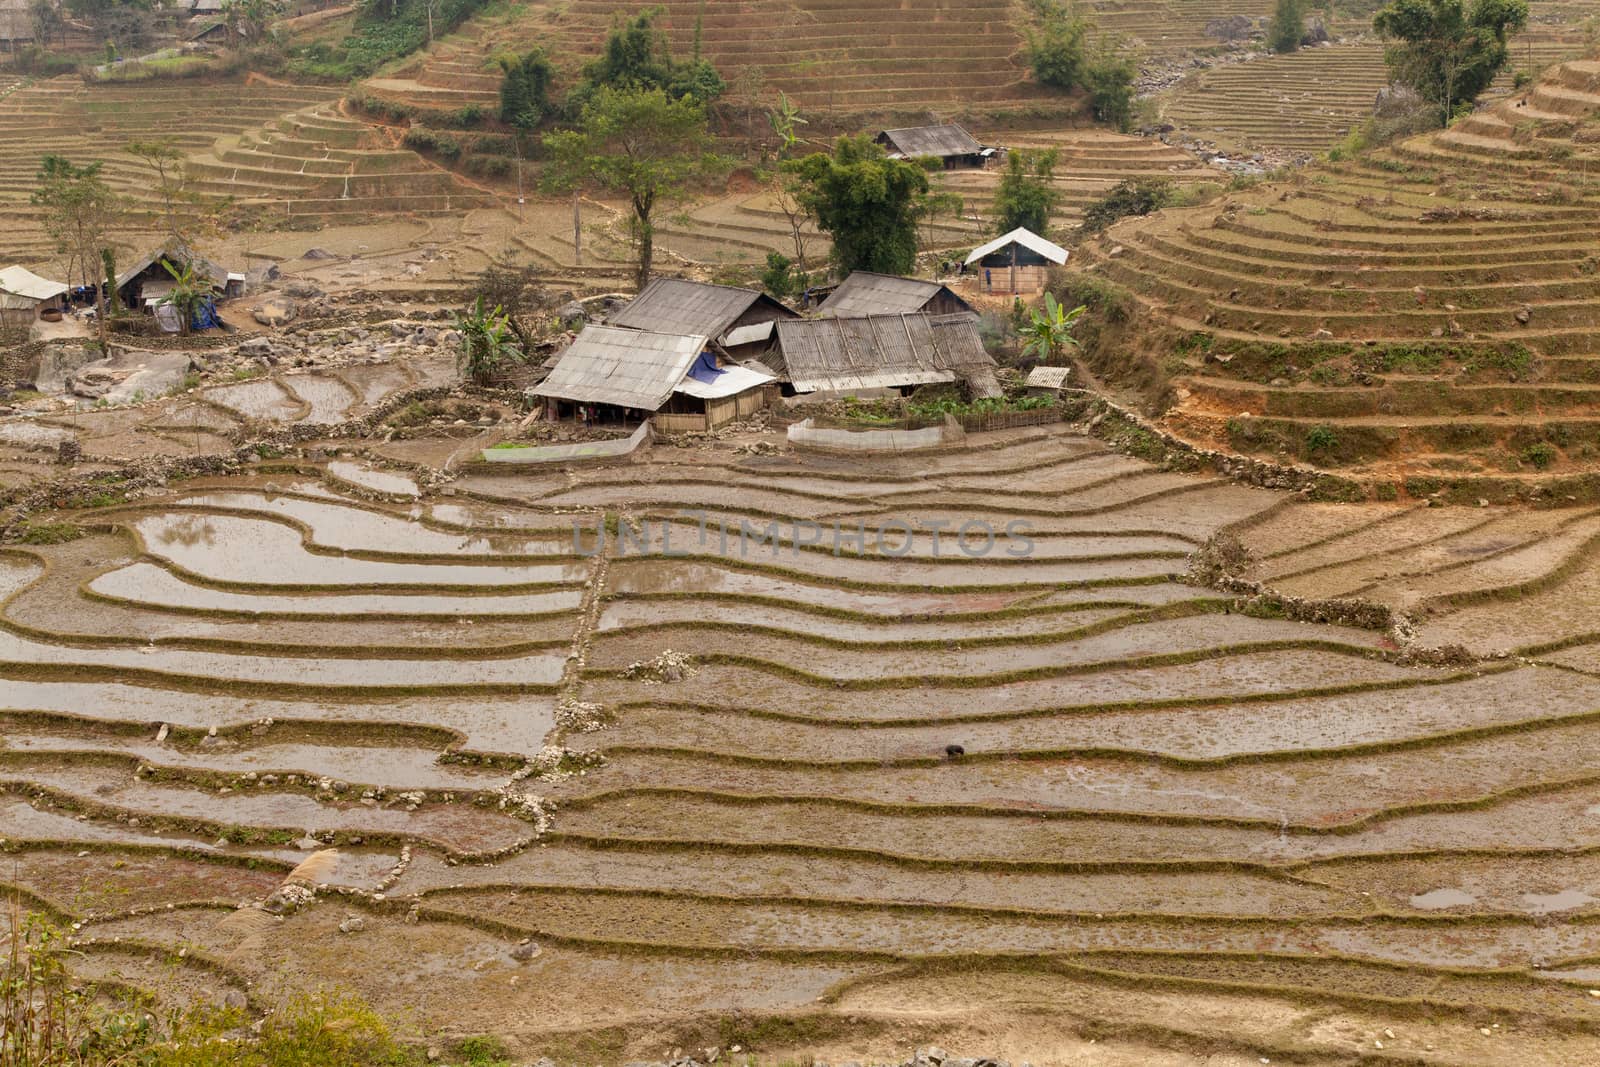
x: 1561, y: 900
x: 149, y: 584
x: 1443, y: 898
x: 255, y: 400
x: 375, y: 381
x: 15, y: 573
x: 330, y: 399
x: 376, y: 480
x: 536, y: 669
x: 233, y: 549
x: 342, y: 526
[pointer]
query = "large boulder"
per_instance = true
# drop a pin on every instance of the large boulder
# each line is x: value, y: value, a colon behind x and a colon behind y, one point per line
x: 275, y: 310
x: 49, y: 371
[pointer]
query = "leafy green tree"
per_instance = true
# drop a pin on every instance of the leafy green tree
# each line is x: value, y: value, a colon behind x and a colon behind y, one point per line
x: 781, y: 279
x: 189, y: 289
x: 865, y: 201
x: 785, y: 122
x: 1108, y: 76
x: 636, y: 57
x: 79, y: 210
x: 1287, y: 26
x: 487, y: 343
x: 1056, y: 45
x: 525, y: 89
x: 1446, y: 51
x: 1026, y: 196
x: 642, y: 144
x: 1049, y: 331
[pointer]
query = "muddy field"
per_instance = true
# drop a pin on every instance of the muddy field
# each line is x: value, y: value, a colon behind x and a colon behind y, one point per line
x: 1024, y: 792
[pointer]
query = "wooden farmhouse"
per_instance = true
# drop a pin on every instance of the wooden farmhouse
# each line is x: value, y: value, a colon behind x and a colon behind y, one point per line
x: 950, y: 144
x: 865, y: 293
x: 1017, y: 264
x: 895, y: 351
x: 612, y: 375
x: 737, y: 322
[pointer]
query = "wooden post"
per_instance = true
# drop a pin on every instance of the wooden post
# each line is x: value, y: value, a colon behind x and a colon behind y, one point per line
x: 577, y: 231
x: 1013, y: 268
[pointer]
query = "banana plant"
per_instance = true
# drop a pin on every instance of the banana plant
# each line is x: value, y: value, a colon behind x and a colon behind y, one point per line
x: 1049, y: 331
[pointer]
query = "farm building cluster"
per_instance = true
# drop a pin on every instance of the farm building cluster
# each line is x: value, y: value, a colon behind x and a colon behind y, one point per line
x: 692, y: 356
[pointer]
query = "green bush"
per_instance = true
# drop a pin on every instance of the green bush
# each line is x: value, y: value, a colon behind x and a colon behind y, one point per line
x: 1539, y: 455
x: 422, y: 139
x: 1131, y: 196
x: 1288, y: 25
x: 1321, y: 440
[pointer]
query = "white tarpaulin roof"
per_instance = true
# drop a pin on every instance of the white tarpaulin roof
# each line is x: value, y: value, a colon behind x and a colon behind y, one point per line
x: 731, y: 381
x: 20, y: 281
x: 1027, y: 239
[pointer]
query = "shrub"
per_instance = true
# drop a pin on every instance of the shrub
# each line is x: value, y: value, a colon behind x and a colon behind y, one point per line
x: 1320, y: 440
x: 422, y: 139
x: 1540, y: 455
x: 1055, y: 49
x: 1108, y: 75
x: 1131, y: 196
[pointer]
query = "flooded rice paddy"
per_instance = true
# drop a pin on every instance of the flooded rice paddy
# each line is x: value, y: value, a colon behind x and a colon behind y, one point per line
x: 876, y: 775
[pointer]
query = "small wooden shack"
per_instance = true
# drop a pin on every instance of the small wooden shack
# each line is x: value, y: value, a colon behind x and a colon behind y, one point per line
x: 882, y: 352
x: 146, y: 280
x: 1047, y: 381
x: 621, y: 376
x: 23, y: 295
x: 950, y: 144
x: 1016, y: 264
x: 737, y: 322
x: 866, y: 293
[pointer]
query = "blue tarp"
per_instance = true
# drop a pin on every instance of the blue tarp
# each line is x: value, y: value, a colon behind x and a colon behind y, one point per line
x: 705, y: 369
x: 205, y: 315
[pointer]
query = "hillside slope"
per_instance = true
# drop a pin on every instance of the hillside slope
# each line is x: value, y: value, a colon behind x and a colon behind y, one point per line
x: 1434, y: 302
x: 835, y: 55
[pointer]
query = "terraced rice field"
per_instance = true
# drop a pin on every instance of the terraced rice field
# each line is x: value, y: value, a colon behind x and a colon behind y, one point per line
x: 283, y: 149
x: 1307, y: 101
x: 1433, y: 301
x: 1172, y: 826
x: 881, y: 55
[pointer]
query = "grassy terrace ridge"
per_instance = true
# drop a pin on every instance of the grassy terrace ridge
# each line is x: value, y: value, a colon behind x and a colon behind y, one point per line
x: 828, y: 55
x: 1421, y: 314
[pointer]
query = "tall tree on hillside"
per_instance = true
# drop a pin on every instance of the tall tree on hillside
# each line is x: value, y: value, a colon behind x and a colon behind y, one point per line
x: 1287, y: 26
x: 865, y: 201
x: 1026, y: 195
x: 643, y: 144
x: 1446, y: 51
x: 162, y: 155
x: 79, y: 209
x: 525, y: 89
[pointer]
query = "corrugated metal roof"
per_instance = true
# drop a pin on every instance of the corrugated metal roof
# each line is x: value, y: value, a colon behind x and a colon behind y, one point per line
x: 1027, y: 239
x: 673, y: 305
x: 866, y: 293
x: 628, y: 368
x: 1048, y: 377
x: 941, y: 141
x: 20, y: 281
x: 881, y: 351
x: 177, y: 255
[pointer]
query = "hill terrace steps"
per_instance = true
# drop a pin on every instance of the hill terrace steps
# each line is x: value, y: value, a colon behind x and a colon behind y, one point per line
x: 1438, y: 297
x: 826, y: 54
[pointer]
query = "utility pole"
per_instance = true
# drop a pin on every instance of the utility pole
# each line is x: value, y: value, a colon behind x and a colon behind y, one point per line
x: 577, y: 231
